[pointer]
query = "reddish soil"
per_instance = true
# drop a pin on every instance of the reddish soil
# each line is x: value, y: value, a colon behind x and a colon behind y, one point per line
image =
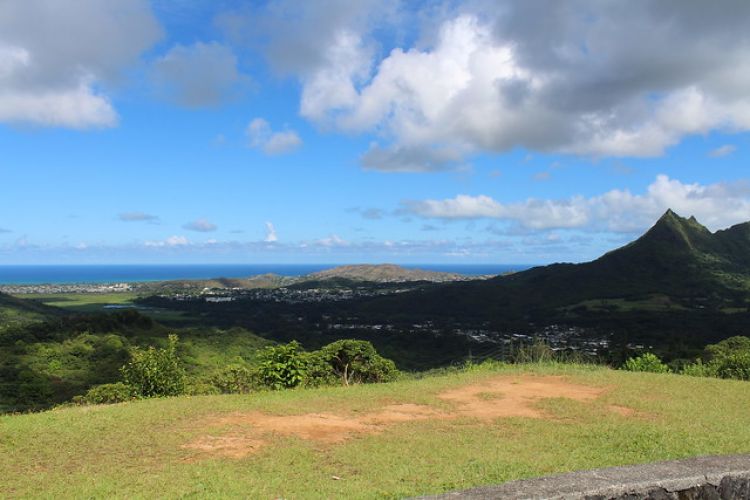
x: 245, y: 433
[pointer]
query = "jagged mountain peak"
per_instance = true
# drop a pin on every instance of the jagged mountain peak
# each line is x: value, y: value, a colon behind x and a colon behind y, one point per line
x: 677, y: 232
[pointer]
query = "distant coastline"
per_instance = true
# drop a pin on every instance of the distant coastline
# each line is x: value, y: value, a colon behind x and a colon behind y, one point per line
x: 135, y: 273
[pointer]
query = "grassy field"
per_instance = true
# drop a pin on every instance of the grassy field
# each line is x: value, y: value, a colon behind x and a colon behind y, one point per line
x: 359, y: 442
x: 84, y: 303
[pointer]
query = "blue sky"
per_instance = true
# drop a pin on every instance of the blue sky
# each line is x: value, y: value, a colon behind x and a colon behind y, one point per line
x: 369, y: 131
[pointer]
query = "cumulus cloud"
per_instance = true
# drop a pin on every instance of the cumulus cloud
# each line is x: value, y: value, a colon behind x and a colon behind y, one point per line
x: 137, y: 217
x: 580, y: 77
x: 55, y: 58
x: 721, y: 151
x: 271, y: 236
x: 198, y: 75
x: 172, y: 241
x: 262, y: 137
x: 201, y: 226
x: 716, y: 205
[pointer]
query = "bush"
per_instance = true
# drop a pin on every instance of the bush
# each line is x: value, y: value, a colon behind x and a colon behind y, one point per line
x: 735, y: 366
x: 729, y: 358
x: 318, y: 372
x: 646, y: 362
x: 107, y: 394
x: 235, y: 379
x: 728, y: 347
x: 283, y: 366
x: 356, y: 361
x: 699, y: 369
x: 155, y: 372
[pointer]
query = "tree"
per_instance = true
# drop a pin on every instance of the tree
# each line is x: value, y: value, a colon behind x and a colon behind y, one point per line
x: 356, y: 361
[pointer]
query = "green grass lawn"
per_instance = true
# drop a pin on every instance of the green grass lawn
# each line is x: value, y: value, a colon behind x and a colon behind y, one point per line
x: 138, y: 449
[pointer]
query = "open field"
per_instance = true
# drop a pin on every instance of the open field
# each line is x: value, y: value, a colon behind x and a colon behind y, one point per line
x: 481, y: 426
x: 85, y: 303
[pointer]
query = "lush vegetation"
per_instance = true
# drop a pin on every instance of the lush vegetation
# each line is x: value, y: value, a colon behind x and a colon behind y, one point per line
x: 647, y: 362
x: 49, y: 362
x: 136, y: 449
x: 729, y: 358
x: 88, y: 358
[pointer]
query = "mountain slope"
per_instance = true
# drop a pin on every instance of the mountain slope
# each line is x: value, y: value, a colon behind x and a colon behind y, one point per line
x: 677, y: 264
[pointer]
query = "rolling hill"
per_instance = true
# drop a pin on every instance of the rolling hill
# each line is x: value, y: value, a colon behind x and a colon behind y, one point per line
x: 384, y: 273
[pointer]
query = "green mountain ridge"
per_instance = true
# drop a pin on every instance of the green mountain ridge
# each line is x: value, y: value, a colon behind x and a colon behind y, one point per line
x: 677, y: 267
x: 677, y: 257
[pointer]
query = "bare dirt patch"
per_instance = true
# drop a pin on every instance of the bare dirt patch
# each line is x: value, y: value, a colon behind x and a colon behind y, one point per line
x: 517, y: 396
x: 246, y: 433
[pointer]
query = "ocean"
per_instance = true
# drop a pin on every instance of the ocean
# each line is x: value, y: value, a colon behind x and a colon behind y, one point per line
x: 68, y: 274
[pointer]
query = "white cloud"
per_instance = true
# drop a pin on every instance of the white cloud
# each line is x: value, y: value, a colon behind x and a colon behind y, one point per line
x: 172, y: 241
x: 77, y: 107
x: 261, y: 136
x: 199, y: 75
x: 200, y: 225
x: 716, y: 205
x: 584, y: 78
x: 271, y: 236
x: 55, y: 58
x: 721, y: 151
x: 332, y: 241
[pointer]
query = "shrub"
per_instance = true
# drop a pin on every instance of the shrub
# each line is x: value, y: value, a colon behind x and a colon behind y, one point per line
x: 735, y: 366
x: 318, y: 371
x: 647, y: 362
x: 107, y: 394
x: 728, y: 347
x: 356, y: 361
x: 283, y: 366
x: 699, y: 369
x: 155, y: 371
x: 235, y: 379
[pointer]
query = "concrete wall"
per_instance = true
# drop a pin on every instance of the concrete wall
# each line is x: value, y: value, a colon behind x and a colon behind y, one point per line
x: 701, y: 478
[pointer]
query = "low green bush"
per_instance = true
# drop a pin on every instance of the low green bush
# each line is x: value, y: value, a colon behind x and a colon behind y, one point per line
x: 155, y: 371
x: 729, y: 358
x: 282, y: 366
x: 236, y: 379
x: 107, y: 394
x: 699, y: 369
x: 646, y: 362
x: 735, y: 366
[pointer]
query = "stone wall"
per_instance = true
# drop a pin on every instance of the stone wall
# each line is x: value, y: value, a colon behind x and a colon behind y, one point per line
x: 700, y: 478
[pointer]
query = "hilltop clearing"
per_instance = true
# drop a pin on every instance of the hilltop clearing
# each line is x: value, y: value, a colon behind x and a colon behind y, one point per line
x: 482, y: 426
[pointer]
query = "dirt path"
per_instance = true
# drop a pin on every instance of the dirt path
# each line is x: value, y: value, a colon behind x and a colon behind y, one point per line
x: 504, y: 396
